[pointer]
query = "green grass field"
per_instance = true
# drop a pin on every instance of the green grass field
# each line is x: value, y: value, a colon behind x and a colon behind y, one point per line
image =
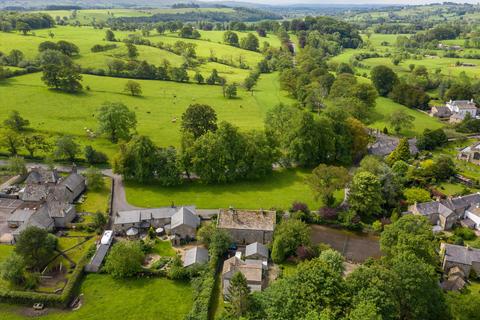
x: 109, y: 299
x: 278, y: 191
x: 422, y: 121
x: 101, y: 15
x: 54, y: 113
x: 96, y: 200
x: 86, y: 37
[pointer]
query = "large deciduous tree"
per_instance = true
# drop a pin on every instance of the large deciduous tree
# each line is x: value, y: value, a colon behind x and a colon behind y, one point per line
x: 125, y: 259
x: 66, y: 148
x: 59, y: 71
x: 16, y: 122
x: 289, y: 235
x: 325, y: 180
x: 116, y: 120
x: 365, y: 196
x: 384, y: 79
x: 198, y: 119
x: 35, y: 246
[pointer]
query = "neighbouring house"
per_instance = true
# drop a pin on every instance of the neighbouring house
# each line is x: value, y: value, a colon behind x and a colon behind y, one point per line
x: 195, y: 255
x: 460, y: 109
x: 256, y: 251
x: 252, y: 270
x: 384, y: 144
x: 455, y: 280
x: 445, y: 213
x: 470, y: 154
x: 179, y: 221
x: 441, y: 112
x: 247, y: 226
x: 47, y: 200
x: 467, y: 259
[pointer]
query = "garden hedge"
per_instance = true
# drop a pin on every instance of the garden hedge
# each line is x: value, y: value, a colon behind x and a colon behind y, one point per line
x: 49, y: 299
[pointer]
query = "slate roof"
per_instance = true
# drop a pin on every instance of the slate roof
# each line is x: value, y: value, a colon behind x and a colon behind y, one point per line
x: 185, y: 216
x: 124, y: 217
x: 39, y: 175
x: 99, y: 256
x: 251, y: 271
x: 58, y: 209
x: 246, y: 220
x: 73, y: 181
x: 35, y: 192
x: 40, y: 219
x: 461, y: 254
x: 195, y: 255
x: 20, y: 215
x: 462, y: 104
x: 427, y: 208
x: 256, y: 248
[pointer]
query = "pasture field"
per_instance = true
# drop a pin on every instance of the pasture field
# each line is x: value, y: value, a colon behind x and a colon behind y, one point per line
x: 279, y: 190
x: 55, y: 113
x: 86, y: 37
x: 110, y: 299
x: 88, y: 16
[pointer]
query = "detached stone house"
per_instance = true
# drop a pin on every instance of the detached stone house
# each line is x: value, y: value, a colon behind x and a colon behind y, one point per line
x: 440, y: 112
x: 252, y: 270
x: 465, y: 258
x: 445, y: 213
x: 460, y: 109
x: 248, y: 226
x: 470, y: 154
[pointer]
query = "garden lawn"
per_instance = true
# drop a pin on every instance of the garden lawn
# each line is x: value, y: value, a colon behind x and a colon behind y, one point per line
x: 5, y: 251
x: 56, y: 113
x: 279, y: 190
x: 164, y: 248
x: 96, y: 200
x: 108, y: 299
x: 422, y: 121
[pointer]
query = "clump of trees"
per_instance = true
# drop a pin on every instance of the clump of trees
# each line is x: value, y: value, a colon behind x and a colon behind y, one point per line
x: 125, y: 259
x: 59, y: 71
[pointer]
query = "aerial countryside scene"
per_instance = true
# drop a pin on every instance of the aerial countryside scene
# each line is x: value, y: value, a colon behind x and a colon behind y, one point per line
x: 239, y: 159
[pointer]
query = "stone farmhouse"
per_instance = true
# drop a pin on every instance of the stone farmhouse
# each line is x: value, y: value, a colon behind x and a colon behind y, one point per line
x: 182, y: 222
x: 455, y: 110
x: 47, y: 200
x: 470, y: 154
x: 254, y: 267
x: 247, y: 226
x: 445, y: 213
x: 465, y: 258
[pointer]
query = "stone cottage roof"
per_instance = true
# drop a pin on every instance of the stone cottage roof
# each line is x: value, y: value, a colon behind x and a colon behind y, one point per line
x: 20, y: 215
x: 251, y: 271
x: 185, y: 216
x: 461, y: 254
x: 58, y: 209
x: 246, y: 220
x: 35, y: 192
x: 463, y: 104
x: 39, y: 175
x: 125, y: 217
x: 195, y: 255
x: 73, y: 181
x: 256, y: 248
